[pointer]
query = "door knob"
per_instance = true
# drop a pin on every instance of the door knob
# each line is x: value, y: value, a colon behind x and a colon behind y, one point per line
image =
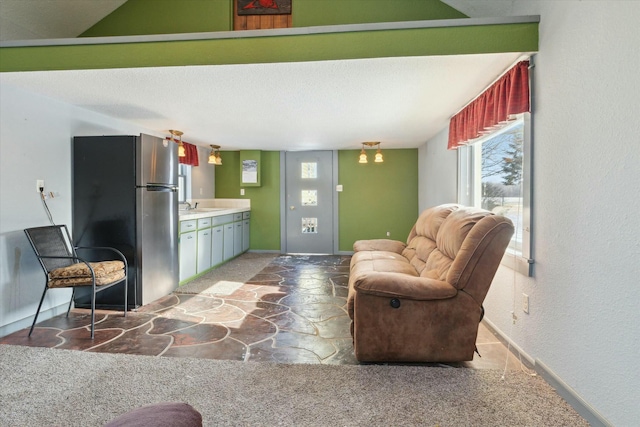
x: 292, y: 207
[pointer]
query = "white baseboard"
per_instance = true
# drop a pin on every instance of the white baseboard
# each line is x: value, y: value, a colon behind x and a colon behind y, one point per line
x: 26, y: 322
x: 583, y: 408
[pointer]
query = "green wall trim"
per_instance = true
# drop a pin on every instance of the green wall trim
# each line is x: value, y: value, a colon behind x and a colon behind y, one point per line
x: 495, y: 38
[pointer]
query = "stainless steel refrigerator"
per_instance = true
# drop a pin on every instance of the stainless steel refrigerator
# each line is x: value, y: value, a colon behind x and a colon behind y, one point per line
x: 125, y: 196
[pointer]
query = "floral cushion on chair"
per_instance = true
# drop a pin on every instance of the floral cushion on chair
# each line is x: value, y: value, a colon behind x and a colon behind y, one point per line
x: 79, y: 274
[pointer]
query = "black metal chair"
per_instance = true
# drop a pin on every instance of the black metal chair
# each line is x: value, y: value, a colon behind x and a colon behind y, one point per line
x: 63, y: 268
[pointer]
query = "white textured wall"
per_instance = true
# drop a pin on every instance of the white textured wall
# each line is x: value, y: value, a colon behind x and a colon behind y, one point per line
x: 203, y: 178
x: 584, y: 321
x: 437, y: 174
x: 35, y: 143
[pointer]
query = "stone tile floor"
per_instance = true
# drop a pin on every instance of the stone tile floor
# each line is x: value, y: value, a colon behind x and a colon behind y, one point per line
x: 292, y: 311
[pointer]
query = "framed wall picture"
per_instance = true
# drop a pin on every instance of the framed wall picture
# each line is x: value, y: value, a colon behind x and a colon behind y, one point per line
x: 264, y: 7
x: 250, y: 168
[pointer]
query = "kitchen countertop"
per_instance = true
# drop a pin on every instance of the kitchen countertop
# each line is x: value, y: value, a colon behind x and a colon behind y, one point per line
x: 197, y: 213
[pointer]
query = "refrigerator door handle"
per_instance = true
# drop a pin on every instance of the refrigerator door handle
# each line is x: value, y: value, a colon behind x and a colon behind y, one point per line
x: 161, y: 187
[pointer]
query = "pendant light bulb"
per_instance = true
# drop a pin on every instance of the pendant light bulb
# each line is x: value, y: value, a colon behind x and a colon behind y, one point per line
x: 181, y: 150
x: 378, y: 158
x: 363, y: 156
x: 214, y: 156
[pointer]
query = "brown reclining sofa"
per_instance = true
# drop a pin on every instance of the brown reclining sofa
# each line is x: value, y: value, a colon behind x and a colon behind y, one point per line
x: 422, y: 301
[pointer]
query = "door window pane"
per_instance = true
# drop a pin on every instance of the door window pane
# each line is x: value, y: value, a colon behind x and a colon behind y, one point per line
x: 309, y: 198
x: 309, y: 225
x: 309, y: 170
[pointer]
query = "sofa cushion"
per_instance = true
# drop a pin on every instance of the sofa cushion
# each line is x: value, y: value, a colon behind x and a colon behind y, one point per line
x: 404, y: 286
x: 376, y: 255
x: 383, y: 265
x: 386, y: 245
x: 429, y: 222
x: 455, y: 229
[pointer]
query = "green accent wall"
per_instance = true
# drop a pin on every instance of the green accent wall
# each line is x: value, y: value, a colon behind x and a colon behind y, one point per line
x: 308, y: 13
x: 377, y: 197
x: 137, y: 17
x: 265, y: 200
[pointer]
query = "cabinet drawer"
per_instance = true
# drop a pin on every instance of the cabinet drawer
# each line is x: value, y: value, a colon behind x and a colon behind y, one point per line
x: 246, y: 215
x: 237, y: 216
x: 222, y: 219
x: 186, y: 226
x: 204, y: 223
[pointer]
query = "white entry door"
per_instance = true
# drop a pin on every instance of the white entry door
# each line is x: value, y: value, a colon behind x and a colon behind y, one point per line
x: 309, y: 202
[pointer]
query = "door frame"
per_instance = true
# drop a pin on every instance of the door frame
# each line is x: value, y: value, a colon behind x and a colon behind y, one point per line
x: 283, y: 200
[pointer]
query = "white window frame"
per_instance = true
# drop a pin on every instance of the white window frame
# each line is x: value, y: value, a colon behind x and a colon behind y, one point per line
x: 469, y: 190
x: 184, y: 177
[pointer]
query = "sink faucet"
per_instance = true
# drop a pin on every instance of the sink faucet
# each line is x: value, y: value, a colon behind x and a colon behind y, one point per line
x: 188, y: 206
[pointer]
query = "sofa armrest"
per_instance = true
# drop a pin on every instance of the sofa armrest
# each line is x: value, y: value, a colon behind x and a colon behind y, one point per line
x: 387, y: 245
x: 401, y: 285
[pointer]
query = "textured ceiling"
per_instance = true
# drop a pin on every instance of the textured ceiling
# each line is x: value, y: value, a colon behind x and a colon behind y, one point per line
x: 293, y: 106
x: 401, y: 102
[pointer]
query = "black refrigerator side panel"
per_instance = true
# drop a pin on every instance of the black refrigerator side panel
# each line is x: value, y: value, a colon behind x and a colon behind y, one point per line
x: 104, y: 208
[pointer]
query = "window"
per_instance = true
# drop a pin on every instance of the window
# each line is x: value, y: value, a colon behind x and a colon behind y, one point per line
x: 184, y: 183
x: 494, y: 173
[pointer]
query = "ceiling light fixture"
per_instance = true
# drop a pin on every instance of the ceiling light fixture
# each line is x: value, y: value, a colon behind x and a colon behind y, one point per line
x: 214, y: 156
x: 363, y: 155
x: 181, y: 152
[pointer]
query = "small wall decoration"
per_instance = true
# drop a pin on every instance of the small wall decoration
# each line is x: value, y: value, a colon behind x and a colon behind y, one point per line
x: 264, y: 7
x: 249, y: 171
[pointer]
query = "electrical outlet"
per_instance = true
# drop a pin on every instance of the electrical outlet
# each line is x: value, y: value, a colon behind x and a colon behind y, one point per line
x: 39, y: 184
x: 525, y: 303
x: 242, y: 191
x: 388, y: 234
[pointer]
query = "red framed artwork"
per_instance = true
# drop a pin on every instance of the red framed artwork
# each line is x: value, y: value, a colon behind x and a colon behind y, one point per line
x: 264, y: 7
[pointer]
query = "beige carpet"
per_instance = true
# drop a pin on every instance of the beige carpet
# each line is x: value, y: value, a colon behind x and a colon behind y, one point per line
x: 70, y: 388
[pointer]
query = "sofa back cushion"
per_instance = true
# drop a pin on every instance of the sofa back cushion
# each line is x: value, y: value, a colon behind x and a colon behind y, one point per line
x: 439, y: 247
x: 422, y: 242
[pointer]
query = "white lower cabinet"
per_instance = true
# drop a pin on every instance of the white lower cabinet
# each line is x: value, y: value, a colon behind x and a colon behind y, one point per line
x: 246, y: 240
x: 237, y: 237
x: 208, y: 242
x: 204, y: 250
x: 217, y: 245
x: 187, y: 249
x: 228, y: 241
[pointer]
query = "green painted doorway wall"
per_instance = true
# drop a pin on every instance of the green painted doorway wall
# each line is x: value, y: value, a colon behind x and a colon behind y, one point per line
x: 265, y: 199
x: 376, y: 197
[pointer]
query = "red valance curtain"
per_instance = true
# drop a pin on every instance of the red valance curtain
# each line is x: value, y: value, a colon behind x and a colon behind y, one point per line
x: 191, y: 155
x: 506, y: 97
